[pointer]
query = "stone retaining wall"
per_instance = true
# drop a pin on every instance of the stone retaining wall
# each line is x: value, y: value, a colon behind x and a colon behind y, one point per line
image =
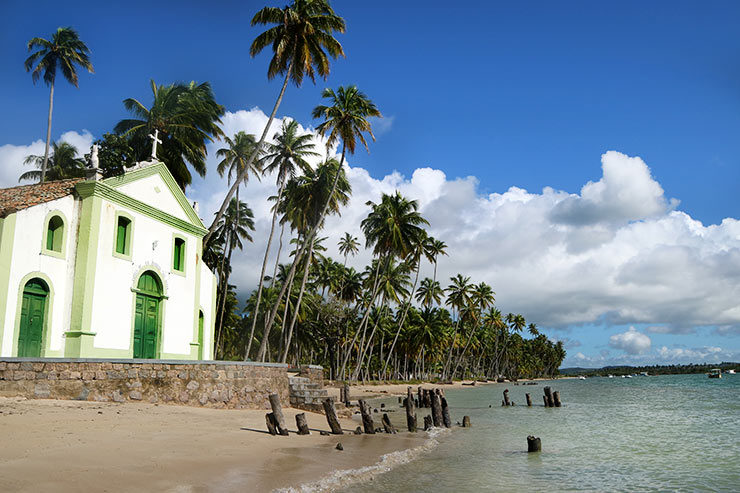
x: 220, y: 384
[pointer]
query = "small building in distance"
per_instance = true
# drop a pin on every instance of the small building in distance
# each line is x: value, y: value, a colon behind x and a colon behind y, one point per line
x: 104, y: 268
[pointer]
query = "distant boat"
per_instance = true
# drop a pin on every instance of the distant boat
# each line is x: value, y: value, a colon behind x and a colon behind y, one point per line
x: 611, y: 376
x: 628, y: 376
x: 581, y: 378
x: 730, y: 372
x: 643, y: 374
x: 715, y: 373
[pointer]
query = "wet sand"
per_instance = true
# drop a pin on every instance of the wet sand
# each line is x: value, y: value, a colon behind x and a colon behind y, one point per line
x: 66, y: 446
x: 369, y: 391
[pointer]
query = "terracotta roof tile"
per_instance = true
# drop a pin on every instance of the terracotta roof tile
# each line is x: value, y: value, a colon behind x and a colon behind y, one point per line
x: 25, y: 196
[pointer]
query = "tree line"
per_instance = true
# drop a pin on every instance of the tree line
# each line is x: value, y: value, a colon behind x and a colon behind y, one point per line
x: 383, y: 322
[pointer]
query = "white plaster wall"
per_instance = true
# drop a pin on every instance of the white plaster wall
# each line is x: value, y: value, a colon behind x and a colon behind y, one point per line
x: 27, y: 257
x: 151, y: 248
x: 207, y: 282
x: 152, y: 190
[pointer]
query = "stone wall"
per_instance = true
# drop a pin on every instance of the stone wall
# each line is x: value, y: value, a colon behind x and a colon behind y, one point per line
x: 220, y: 384
x: 312, y: 372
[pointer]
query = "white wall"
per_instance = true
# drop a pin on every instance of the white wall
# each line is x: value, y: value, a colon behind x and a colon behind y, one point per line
x: 27, y: 258
x: 207, y: 282
x: 152, y: 190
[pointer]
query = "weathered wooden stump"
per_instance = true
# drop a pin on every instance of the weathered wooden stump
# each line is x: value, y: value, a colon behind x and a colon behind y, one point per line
x: 529, y: 400
x: 346, y: 394
x: 367, y: 417
x: 427, y: 422
x: 466, y: 422
x: 341, y: 394
x: 387, y: 425
x: 419, y: 398
x: 556, y: 398
x: 506, y: 397
x: 277, y: 411
x: 436, y: 410
x: 400, y: 399
x: 534, y: 444
x: 446, y: 413
x: 300, y: 422
x: 358, y: 431
x: 331, y: 416
x: 339, y: 446
x: 410, y: 414
x: 271, y: 423
x: 548, y: 394
x: 544, y: 398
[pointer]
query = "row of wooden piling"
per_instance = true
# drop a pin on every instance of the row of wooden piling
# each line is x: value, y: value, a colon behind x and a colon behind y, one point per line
x: 431, y: 398
x: 551, y: 399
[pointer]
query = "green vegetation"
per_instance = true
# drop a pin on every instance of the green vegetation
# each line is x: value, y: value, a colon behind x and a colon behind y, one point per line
x: 62, y: 164
x: 651, y: 370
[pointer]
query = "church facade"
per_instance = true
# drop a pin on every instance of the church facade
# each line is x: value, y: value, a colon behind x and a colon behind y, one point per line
x: 105, y: 268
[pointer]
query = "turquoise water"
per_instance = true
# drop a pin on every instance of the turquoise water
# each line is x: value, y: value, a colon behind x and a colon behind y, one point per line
x: 663, y: 433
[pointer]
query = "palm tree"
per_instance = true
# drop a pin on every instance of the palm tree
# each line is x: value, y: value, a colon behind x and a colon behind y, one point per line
x: 187, y: 117
x: 433, y: 248
x: 284, y: 158
x: 458, y: 297
x: 313, y: 194
x: 64, y: 164
x: 345, y: 119
x: 348, y: 245
x: 234, y: 227
x: 533, y: 330
x: 429, y: 292
x: 301, y: 38
x: 65, y: 51
x: 481, y: 298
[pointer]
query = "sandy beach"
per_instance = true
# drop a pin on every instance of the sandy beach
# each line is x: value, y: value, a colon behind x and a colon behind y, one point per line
x: 65, y: 446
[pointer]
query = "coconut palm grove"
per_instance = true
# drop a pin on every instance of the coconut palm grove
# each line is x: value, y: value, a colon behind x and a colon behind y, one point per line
x: 382, y: 322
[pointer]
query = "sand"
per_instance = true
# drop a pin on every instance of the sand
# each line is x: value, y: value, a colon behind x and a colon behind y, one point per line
x: 66, y: 446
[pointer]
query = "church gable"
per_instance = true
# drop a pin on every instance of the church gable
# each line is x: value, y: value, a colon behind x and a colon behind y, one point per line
x: 155, y: 186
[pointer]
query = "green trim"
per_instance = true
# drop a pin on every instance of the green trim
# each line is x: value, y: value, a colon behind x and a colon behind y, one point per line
x: 212, y: 322
x: 129, y: 238
x: 65, y: 227
x: 184, y: 255
x: 99, y: 189
x: 7, y: 237
x: 47, y: 311
x: 161, y: 169
x: 83, y: 292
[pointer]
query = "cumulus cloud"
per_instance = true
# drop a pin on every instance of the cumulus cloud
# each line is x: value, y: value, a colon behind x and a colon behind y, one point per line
x: 631, y: 342
x: 12, y: 156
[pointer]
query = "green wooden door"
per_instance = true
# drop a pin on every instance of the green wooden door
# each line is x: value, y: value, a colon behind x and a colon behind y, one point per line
x: 33, y: 311
x: 201, y: 351
x: 146, y: 325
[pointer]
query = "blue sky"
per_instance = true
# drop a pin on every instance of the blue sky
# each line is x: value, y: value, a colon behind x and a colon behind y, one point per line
x: 524, y: 94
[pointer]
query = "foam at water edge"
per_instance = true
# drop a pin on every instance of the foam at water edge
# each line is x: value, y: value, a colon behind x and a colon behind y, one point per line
x: 340, y: 479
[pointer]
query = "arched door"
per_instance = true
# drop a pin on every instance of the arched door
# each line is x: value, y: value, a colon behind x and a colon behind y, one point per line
x: 33, y: 313
x: 147, y: 317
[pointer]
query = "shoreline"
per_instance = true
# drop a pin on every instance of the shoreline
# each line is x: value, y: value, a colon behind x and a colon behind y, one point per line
x: 69, y: 446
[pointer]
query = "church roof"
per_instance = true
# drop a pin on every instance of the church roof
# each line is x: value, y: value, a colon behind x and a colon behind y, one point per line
x: 22, y: 197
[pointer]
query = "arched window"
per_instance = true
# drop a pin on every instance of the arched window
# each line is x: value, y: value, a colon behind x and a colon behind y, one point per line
x: 54, y: 234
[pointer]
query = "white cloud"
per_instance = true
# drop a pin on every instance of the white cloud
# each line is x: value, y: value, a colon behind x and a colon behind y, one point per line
x: 631, y: 342
x: 12, y: 156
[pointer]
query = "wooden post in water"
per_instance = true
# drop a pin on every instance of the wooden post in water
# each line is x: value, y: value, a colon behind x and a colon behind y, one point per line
x: 427, y: 422
x: 436, y: 410
x: 466, y: 422
x: 534, y: 444
x: 548, y: 395
x: 556, y: 398
x: 506, y: 397
x: 544, y: 398
x: 346, y: 394
x: 419, y: 399
x: 446, y: 413
x: 300, y: 422
x: 387, y: 426
x: 331, y: 416
x: 529, y: 400
x: 271, y: 423
x: 410, y: 414
x: 277, y: 411
x: 367, y: 417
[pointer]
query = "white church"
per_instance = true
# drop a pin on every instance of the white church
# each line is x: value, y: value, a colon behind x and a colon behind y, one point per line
x: 104, y: 268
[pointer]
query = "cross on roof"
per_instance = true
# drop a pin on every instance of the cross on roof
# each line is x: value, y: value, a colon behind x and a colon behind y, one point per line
x: 155, y: 141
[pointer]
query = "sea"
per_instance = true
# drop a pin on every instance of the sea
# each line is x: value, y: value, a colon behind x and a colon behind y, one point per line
x: 656, y: 433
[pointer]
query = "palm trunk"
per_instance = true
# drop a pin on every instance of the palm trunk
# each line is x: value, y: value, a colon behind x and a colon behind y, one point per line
x: 299, y: 254
x: 405, y: 311
x: 224, y: 276
x: 262, y: 273
x: 298, y: 304
x: 48, y: 134
x: 452, y: 345
x: 280, y: 249
x: 247, y: 166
